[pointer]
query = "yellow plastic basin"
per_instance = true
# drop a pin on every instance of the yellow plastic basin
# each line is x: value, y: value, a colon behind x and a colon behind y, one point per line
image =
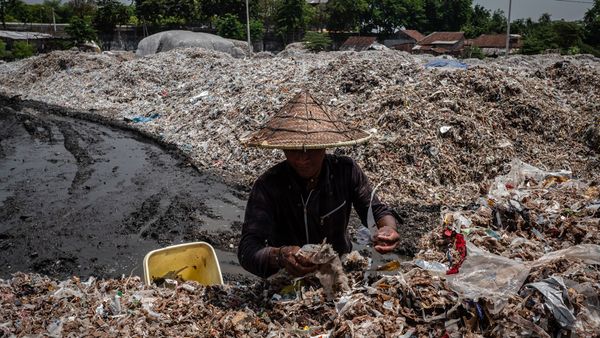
x: 192, y: 261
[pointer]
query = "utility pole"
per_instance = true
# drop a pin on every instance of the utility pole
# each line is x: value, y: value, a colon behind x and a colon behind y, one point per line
x: 248, y: 27
x: 53, y: 20
x: 507, y: 28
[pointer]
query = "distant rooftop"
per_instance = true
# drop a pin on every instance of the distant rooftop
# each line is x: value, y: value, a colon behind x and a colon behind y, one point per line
x: 416, y: 35
x: 358, y: 43
x: 442, y: 38
x: 13, y: 35
x: 496, y: 41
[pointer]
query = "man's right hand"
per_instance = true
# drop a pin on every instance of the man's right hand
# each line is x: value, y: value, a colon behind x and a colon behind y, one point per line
x: 293, y: 263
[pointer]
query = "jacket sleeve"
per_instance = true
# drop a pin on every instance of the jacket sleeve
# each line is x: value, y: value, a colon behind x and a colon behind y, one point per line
x: 361, y: 197
x: 253, y: 253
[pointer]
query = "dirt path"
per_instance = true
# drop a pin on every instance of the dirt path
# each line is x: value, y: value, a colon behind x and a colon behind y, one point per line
x: 80, y: 198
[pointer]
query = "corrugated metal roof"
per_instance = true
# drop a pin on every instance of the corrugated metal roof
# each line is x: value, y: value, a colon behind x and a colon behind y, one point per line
x: 24, y: 35
x: 315, y: 2
x: 496, y: 41
x: 416, y: 35
x: 442, y: 36
x: 358, y: 43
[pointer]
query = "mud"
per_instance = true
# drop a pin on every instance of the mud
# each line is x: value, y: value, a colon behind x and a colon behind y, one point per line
x: 81, y: 198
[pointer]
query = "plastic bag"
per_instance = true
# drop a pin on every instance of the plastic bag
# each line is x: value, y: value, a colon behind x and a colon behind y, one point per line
x: 520, y: 174
x: 485, y: 275
x: 588, y: 253
x: 557, y: 300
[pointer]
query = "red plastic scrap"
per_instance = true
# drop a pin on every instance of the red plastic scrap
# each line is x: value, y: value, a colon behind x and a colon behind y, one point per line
x: 461, y: 246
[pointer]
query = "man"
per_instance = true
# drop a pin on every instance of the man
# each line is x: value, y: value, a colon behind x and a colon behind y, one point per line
x: 308, y: 197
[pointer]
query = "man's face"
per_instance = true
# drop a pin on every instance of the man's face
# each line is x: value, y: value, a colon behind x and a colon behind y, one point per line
x: 307, y: 163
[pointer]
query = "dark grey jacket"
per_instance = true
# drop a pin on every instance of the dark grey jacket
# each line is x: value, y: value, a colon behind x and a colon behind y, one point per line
x: 280, y: 211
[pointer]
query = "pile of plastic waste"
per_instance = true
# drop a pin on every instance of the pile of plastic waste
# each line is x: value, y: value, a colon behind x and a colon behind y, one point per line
x: 524, y: 262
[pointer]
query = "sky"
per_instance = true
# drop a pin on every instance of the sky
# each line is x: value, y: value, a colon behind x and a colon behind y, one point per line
x: 522, y: 9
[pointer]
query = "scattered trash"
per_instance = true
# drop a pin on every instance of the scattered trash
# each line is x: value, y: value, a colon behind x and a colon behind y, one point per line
x: 443, y: 63
x: 138, y: 119
x: 444, y: 138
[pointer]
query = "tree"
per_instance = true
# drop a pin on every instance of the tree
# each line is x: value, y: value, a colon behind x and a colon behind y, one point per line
x: 521, y: 26
x: 316, y: 42
x: 455, y: 14
x: 2, y: 49
x: 266, y: 12
x: 291, y: 19
x: 567, y: 34
x: 228, y: 26
x: 110, y: 13
x: 83, y: 8
x: 591, y: 22
x: 150, y: 10
x: 540, y: 36
x: 446, y: 15
x: 5, y: 7
x: 21, y: 50
x: 257, y: 30
x: 433, y: 18
x: 22, y: 12
x: 498, y: 22
x: 219, y: 8
x: 479, y: 22
x: 346, y: 15
x: 81, y: 30
x: 391, y: 15
x: 185, y: 11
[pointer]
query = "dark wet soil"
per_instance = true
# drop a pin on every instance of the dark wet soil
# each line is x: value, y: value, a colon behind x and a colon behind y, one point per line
x: 80, y: 198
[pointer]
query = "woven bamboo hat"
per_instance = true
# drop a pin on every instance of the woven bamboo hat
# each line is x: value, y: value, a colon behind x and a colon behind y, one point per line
x: 304, y: 124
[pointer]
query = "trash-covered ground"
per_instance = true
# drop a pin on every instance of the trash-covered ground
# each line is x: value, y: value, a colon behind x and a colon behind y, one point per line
x: 508, y: 294
x: 440, y: 133
x: 521, y: 247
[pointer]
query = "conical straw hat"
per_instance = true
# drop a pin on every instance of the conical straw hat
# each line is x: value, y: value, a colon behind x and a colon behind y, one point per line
x: 303, y: 124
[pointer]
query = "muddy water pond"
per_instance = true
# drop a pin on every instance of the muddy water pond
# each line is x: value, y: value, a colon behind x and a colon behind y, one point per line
x: 82, y: 198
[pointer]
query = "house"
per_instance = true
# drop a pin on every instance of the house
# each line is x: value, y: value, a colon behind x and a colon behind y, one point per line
x: 495, y: 44
x: 404, y: 40
x: 438, y: 43
x: 361, y: 43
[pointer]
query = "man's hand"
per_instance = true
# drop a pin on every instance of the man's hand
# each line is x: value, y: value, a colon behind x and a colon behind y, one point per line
x: 386, y: 239
x: 294, y: 264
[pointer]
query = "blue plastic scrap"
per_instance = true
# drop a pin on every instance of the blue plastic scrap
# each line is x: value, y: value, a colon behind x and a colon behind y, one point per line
x: 138, y: 119
x: 443, y: 63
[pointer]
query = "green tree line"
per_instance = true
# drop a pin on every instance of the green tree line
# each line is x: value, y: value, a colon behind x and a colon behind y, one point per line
x: 290, y: 19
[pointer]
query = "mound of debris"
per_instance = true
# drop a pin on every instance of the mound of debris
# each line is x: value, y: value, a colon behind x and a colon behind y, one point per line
x: 524, y: 263
x: 439, y: 133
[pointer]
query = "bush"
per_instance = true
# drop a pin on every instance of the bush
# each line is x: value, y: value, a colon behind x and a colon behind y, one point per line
x: 257, y: 30
x: 316, y: 42
x: 81, y: 30
x: 473, y: 52
x: 2, y: 49
x: 228, y: 26
x: 21, y: 50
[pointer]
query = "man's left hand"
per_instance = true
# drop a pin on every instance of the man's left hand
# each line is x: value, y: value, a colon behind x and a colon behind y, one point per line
x: 386, y: 239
